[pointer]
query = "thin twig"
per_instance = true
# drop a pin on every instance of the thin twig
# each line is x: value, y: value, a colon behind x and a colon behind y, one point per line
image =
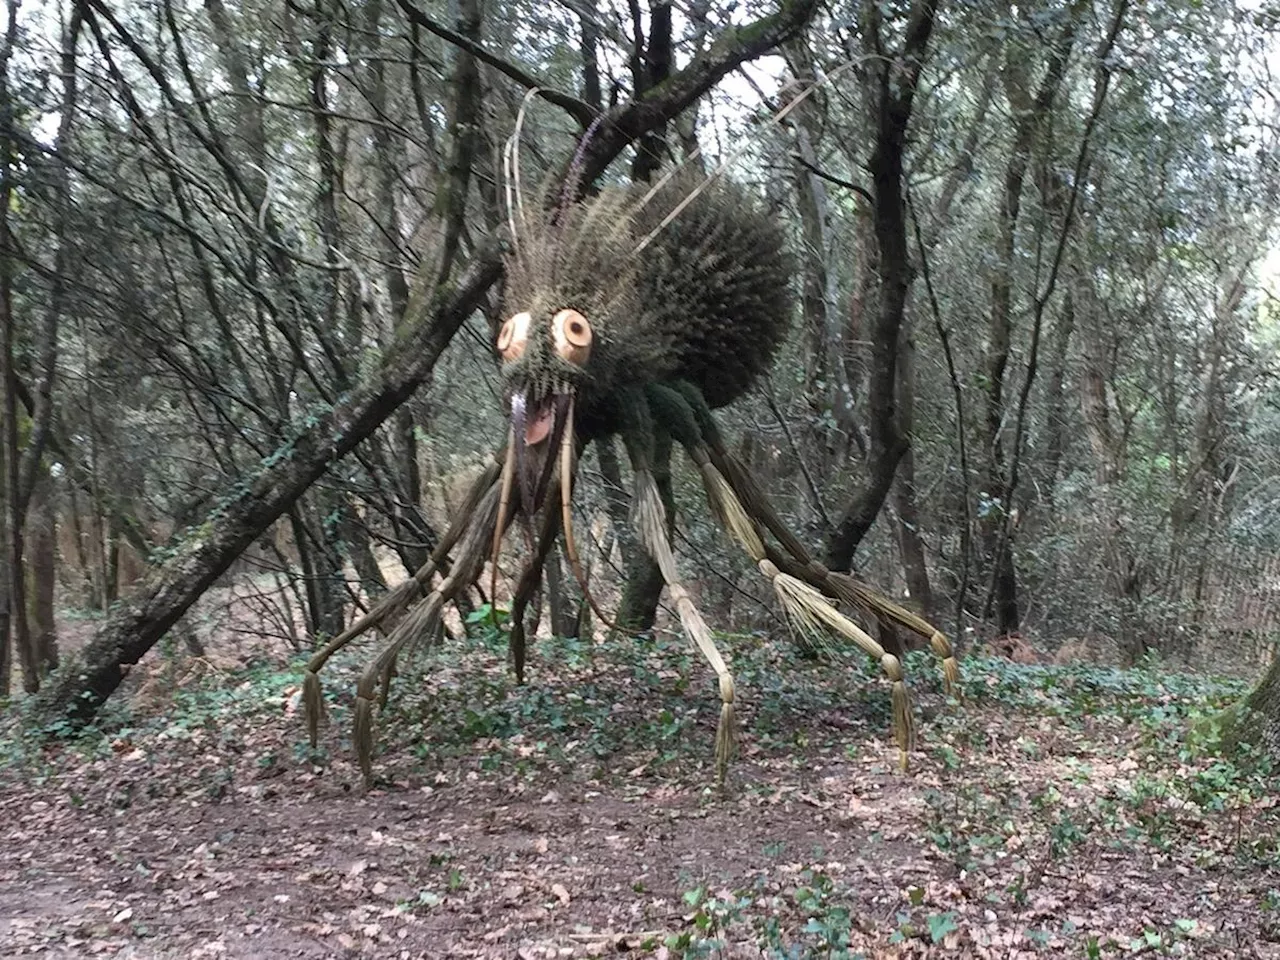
x: 818, y: 505
x: 1041, y: 300
x: 966, y: 533
x: 832, y: 178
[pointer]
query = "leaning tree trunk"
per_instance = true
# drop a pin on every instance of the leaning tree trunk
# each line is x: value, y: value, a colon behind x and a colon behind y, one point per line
x: 89, y: 677
x: 85, y: 681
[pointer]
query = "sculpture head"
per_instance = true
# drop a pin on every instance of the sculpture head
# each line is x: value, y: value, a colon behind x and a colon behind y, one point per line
x: 572, y: 323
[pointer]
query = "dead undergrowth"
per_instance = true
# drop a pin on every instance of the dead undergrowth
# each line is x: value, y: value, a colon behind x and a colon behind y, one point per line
x: 1056, y: 811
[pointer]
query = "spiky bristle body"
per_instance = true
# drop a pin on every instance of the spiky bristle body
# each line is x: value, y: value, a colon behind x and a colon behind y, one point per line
x: 634, y: 313
x: 708, y: 301
x: 717, y: 282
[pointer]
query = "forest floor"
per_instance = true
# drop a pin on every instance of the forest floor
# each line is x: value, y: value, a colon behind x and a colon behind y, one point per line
x: 1053, y: 811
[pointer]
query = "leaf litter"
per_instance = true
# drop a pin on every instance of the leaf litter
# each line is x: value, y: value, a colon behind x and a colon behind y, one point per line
x: 1053, y: 811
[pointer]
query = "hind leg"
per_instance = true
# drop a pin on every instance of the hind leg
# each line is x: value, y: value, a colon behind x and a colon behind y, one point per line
x: 797, y: 561
x: 807, y: 609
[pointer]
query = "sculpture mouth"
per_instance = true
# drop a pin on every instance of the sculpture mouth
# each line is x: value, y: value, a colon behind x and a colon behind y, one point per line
x: 538, y: 430
x: 541, y: 437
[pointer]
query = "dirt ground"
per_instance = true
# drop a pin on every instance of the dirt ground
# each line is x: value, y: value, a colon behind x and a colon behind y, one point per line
x: 296, y: 869
x: 577, y: 818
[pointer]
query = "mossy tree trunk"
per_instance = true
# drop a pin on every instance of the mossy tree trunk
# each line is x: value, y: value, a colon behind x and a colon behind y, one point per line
x: 1256, y: 720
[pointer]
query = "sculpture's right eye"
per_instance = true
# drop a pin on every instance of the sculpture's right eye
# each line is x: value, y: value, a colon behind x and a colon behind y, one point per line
x: 514, y: 336
x: 572, y: 336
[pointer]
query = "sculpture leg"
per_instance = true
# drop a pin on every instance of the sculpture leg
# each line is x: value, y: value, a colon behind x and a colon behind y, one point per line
x: 650, y: 521
x: 422, y: 619
x: 396, y: 600
x: 807, y: 609
x: 527, y: 585
x: 801, y: 563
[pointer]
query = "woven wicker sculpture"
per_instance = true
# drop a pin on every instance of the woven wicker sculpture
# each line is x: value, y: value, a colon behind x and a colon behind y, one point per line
x: 634, y: 313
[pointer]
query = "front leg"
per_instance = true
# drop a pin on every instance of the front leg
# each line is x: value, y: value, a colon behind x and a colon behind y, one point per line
x: 650, y: 520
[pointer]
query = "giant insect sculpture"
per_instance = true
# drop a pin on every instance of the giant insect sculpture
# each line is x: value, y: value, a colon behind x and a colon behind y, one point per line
x: 635, y: 313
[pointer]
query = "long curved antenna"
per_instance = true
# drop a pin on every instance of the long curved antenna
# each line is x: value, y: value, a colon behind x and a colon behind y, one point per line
x: 508, y: 190
x: 511, y: 173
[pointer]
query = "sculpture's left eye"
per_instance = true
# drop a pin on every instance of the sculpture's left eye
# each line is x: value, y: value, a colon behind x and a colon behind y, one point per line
x: 571, y: 333
x: 514, y: 336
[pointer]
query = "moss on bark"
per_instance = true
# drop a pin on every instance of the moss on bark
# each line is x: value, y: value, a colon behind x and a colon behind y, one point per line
x: 1253, y: 722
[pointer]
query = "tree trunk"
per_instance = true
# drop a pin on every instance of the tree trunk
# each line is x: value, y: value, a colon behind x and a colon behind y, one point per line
x: 360, y: 546
x: 638, y: 608
x: 915, y: 568
x: 13, y: 505
x: 650, y: 66
x: 818, y: 295
x: 1056, y: 445
x: 615, y: 499
x: 893, y: 77
x: 565, y: 612
x: 315, y: 568
x: 590, y: 32
x: 111, y: 563
x: 42, y: 574
x: 1029, y: 113
x: 1256, y: 720
x: 84, y: 566
x: 6, y: 647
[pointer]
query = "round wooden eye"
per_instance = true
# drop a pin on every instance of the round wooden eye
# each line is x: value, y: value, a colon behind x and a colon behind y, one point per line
x: 572, y: 334
x: 514, y: 336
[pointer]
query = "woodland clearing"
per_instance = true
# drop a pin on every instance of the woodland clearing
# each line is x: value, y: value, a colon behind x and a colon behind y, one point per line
x: 977, y: 312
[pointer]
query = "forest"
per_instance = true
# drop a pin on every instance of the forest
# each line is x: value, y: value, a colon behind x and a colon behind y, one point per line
x: 677, y: 479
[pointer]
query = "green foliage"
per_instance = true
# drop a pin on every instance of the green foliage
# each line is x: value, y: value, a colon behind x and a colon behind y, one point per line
x: 817, y: 921
x: 1152, y: 693
x: 487, y: 625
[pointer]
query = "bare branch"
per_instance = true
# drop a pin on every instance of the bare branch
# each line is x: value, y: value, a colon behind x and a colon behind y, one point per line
x: 580, y: 111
